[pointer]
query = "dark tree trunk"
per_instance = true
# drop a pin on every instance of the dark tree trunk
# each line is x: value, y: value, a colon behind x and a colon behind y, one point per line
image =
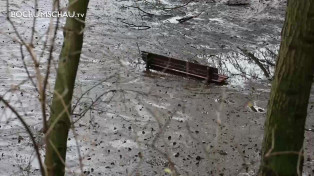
x: 282, y: 151
x: 59, y: 122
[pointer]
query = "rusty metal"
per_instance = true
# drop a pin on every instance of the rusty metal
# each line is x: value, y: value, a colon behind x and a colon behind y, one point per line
x: 182, y: 68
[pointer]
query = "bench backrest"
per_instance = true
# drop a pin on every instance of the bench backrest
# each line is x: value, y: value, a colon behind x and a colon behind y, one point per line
x: 166, y: 64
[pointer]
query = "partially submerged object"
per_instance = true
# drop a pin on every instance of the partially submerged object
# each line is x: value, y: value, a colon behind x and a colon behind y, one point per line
x: 238, y: 2
x: 184, y: 19
x: 182, y: 68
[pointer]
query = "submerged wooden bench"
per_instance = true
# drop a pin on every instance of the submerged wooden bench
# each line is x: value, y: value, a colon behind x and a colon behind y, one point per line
x: 182, y: 68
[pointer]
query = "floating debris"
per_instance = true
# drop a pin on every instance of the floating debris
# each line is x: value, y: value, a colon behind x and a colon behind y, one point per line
x: 255, y: 108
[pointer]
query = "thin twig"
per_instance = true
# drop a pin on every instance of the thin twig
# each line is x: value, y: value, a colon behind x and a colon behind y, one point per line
x: 45, y: 83
x: 26, y: 69
x: 256, y: 60
x: 177, y: 7
x: 147, y: 13
x: 138, y: 27
x: 92, y: 104
x: 88, y: 90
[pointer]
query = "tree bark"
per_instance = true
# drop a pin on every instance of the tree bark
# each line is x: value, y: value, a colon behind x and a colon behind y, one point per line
x: 59, y: 122
x: 282, y: 150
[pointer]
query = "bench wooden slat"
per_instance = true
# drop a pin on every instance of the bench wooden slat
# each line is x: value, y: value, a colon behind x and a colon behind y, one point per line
x: 182, y: 68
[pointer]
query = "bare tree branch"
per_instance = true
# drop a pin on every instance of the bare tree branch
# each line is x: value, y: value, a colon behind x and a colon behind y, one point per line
x: 42, y: 169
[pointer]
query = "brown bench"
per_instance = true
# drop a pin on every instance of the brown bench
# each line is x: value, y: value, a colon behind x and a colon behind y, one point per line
x: 182, y: 68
